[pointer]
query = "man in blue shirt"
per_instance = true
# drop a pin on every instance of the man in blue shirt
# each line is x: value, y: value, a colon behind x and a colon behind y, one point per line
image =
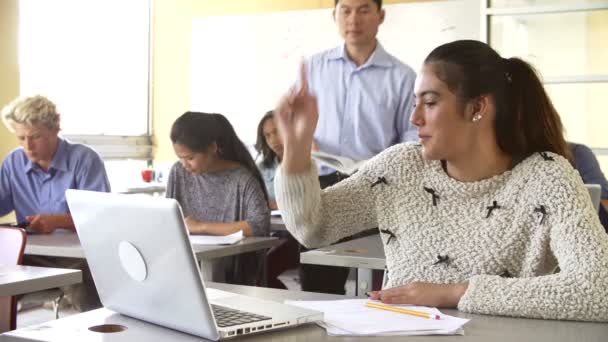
x: 34, y: 178
x: 365, y: 98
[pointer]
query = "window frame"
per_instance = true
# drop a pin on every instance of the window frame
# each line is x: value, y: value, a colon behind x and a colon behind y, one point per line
x: 122, y: 147
x: 487, y: 12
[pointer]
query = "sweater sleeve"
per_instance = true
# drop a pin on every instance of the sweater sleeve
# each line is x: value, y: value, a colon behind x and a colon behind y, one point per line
x: 578, y: 242
x: 318, y: 217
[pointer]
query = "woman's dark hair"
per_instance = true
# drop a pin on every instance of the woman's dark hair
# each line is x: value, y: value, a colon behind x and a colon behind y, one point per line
x: 197, y: 131
x: 526, y: 120
x: 268, y: 155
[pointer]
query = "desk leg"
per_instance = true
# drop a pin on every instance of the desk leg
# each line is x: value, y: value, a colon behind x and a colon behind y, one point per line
x: 364, y: 281
x: 264, y: 280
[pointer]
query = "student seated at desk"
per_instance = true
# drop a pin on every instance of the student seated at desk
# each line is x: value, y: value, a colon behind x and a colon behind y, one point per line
x: 269, y: 146
x: 285, y: 255
x: 218, y: 187
x: 480, y: 214
x: 34, y: 178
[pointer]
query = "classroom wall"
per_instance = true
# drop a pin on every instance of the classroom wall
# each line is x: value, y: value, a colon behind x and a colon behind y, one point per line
x: 595, y: 98
x: 9, y: 71
x: 172, y: 51
x: 9, y: 68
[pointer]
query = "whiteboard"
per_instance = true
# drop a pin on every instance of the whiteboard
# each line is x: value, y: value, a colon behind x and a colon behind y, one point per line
x: 242, y: 64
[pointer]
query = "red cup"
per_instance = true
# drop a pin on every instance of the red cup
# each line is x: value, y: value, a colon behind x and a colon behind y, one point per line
x: 147, y: 175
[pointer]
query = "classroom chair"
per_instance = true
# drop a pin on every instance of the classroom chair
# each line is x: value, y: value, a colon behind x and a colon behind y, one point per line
x: 12, y: 245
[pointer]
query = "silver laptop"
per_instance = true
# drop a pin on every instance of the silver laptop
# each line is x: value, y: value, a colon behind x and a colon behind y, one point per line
x: 143, y: 265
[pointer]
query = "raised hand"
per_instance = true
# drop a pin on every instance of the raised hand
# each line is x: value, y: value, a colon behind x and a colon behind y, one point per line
x: 296, y: 116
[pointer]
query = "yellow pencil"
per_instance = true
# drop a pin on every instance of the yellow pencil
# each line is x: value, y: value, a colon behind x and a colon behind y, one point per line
x: 403, y: 311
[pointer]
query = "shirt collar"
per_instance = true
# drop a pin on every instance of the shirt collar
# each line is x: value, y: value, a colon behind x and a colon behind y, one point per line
x: 378, y: 58
x: 60, y: 160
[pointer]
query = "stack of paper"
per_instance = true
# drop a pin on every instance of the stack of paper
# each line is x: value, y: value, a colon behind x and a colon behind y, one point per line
x: 216, y: 240
x: 351, y: 317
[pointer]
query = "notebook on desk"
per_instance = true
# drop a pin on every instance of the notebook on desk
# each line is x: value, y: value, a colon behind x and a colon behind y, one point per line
x: 141, y: 259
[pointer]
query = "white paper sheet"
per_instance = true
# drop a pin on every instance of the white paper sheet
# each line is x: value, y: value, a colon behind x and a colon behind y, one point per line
x: 216, y: 240
x: 351, y: 317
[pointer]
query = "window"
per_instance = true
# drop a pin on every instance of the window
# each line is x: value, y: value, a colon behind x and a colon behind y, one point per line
x: 566, y: 42
x: 92, y: 59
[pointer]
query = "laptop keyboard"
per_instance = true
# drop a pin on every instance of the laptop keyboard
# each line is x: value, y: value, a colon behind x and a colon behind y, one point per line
x: 226, y: 317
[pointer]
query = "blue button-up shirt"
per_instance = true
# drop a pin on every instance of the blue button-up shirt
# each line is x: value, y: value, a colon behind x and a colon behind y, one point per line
x: 365, y: 109
x: 29, y: 190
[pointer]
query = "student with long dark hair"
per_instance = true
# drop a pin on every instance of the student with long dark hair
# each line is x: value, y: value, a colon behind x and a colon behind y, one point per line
x: 477, y: 216
x: 269, y: 146
x: 218, y: 187
x: 285, y: 255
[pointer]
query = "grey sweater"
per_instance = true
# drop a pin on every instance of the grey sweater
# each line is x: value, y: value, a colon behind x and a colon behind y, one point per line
x: 504, y: 235
x: 226, y: 196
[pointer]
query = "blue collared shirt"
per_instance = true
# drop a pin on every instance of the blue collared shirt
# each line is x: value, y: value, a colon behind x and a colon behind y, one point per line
x: 362, y: 110
x: 29, y: 190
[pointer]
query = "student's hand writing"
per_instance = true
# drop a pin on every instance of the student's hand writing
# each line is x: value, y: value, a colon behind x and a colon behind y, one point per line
x: 47, y: 223
x: 425, y: 294
x: 296, y: 116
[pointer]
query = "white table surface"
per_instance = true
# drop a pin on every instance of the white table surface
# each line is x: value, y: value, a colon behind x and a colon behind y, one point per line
x: 143, y: 188
x: 16, y: 280
x: 366, y: 252
x: 481, y: 328
x: 65, y: 244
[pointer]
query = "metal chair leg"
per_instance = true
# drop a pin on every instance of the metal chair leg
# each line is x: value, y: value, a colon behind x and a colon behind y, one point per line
x: 56, y: 302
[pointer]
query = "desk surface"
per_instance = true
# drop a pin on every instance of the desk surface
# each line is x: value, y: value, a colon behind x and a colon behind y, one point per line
x: 66, y: 244
x: 277, y: 224
x: 366, y: 252
x: 16, y: 280
x: 144, y: 188
x: 480, y: 328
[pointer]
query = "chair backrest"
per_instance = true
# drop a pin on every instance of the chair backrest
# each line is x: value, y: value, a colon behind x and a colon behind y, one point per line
x: 12, y: 245
x: 595, y: 191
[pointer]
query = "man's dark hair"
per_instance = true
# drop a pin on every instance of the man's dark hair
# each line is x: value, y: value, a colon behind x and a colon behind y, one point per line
x: 377, y: 2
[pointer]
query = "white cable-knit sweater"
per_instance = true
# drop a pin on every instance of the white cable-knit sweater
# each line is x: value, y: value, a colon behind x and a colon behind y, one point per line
x: 504, y: 235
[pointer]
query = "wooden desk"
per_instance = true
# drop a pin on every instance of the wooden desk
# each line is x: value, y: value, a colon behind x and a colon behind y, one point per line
x: 480, y: 329
x: 65, y: 244
x: 16, y: 280
x: 365, y: 254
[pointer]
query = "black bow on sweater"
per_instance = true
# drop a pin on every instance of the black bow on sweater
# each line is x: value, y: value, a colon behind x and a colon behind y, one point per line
x: 442, y: 259
x: 432, y: 192
x: 381, y: 180
x: 543, y: 212
x: 391, y: 235
x: 492, y: 207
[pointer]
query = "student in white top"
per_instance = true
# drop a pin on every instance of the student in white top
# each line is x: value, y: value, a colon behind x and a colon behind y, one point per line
x: 481, y: 214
